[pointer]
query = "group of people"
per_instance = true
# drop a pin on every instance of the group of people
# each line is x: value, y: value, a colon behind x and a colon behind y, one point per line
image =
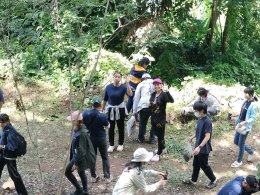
x: 147, y: 99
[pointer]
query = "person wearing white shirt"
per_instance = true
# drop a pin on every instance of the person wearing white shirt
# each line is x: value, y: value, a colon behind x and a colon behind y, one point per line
x: 141, y: 105
x: 132, y: 180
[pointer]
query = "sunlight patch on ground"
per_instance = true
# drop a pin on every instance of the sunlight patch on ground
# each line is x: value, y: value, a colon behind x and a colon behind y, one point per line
x: 224, y: 174
x: 251, y: 167
x: 224, y: 143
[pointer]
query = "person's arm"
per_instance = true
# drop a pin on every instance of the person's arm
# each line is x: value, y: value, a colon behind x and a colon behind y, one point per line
x: 252, y: 116
x: 202, y: 144
x: 137, y: 98
x: 139, y: 181
x: 128, y: 88
x: 169, y: 97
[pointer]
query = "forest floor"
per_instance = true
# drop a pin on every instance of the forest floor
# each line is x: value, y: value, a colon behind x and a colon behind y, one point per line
x: 52, y: 132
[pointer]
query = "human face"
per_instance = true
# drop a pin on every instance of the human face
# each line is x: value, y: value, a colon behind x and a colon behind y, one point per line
x: 3, y: 124
x: 247, y: 96
x: 198, y: 114
x: 157, y: 87
x: 117, y: 78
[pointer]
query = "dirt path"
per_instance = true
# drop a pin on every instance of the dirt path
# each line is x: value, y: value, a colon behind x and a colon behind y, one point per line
x: 52, y: 132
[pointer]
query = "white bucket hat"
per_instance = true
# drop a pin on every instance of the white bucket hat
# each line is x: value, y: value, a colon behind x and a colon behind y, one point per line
x: 146, y: 76
x: 142, y: 155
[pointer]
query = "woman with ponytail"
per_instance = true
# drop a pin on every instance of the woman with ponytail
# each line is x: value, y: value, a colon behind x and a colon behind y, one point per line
x: 245, y: 120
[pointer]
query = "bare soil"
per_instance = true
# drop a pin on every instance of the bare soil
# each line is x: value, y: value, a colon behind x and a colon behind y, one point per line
x: 52, y: 133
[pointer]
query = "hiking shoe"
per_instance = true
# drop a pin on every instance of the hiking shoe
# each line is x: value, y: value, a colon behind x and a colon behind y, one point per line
x: 120, y: 148
x: 155, y: 158
x: 236, y: 164
x: 188, y: 182
x: 94, y: 179
x: 110, y: 149
x: 212, y: 184
x: 151, y: 142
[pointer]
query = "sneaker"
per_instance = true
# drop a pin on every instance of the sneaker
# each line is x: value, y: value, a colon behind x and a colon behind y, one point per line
x: 94, y: 179
x: 155, y: 158
x: 212, y: 184
x: 151, y: 142
x: 110, y: 149
x: 188, y: 182
x: 120, y: 148
x: 107, y: 180
x: 163, y: 152
x: 252, y: 157
x: 84, y: 192
x: 77, y: 192
x: 236, y: 164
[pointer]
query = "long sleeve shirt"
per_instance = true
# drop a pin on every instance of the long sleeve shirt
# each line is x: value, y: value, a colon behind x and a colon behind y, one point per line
x: 142, y: 95
x: 131, y: 181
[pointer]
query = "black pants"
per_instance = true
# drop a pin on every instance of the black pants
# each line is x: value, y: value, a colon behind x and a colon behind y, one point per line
x: 144, y: 114
x: 101, y: 144
x: 72, y: 178
x: 160, y: 132
x: 120, y: 125
x: 13, y: 173
x: 200, y: 161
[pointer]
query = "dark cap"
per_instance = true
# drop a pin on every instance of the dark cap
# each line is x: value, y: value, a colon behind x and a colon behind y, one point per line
x: 252, y: 181
x: 4, y: 118
x: 96, y: 100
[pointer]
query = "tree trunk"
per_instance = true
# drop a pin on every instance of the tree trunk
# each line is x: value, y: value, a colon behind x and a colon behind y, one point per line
x: 227, y: 26
x: 213, y: 19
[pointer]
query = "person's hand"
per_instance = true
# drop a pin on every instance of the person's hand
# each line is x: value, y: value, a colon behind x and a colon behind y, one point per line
x: 196, y: 151
x: 162, y: 182
x: 74, y: 167
x: 242, y: 123
x: 127, y: 79
x: 160, y: 173
x: 1, y: 147
x: 165, y: 87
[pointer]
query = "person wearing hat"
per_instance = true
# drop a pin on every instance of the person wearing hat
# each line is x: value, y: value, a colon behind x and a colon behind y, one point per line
x: 141, y: 105
x: 240, y: 186
x: 7, y: 156
x: 136, y: 73
x: 2, y: 100
x: 80, y: 146
x: 210, y: 100
x: 114, y: 107
x: 132, y: 180
x: 96, y: 122
x: 158, y: 103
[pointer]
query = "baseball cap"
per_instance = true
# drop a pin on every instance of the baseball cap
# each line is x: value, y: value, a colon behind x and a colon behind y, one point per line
x: 157, y: 80
x: 96, y: 100
x: 142, y: 155
x: 4, y: 118
x: 76, y: 115
x: 251, y: 181
x: 146, y: 76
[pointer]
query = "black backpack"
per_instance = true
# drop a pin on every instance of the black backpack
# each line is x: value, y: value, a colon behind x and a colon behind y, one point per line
x: 20, y: 143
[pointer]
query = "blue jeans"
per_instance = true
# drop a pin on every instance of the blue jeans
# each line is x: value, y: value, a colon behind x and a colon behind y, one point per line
x: 240, y: 140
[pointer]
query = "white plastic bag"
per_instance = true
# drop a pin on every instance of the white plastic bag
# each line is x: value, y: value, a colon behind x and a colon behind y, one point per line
x: 130, y: 126
x: 241, y: 129
x: 187, y: 152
